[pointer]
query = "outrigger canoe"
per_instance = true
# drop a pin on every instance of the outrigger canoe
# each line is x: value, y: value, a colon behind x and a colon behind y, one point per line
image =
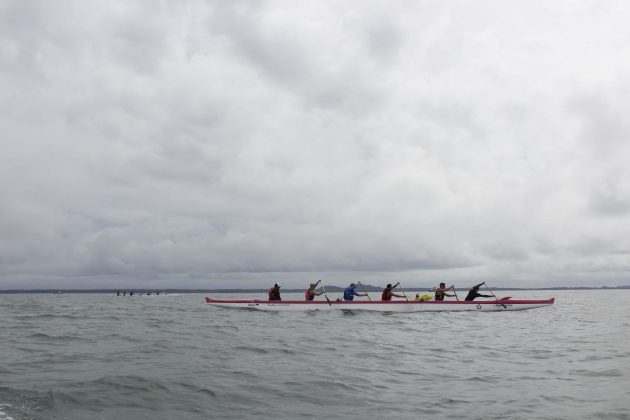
x: 504, y: 304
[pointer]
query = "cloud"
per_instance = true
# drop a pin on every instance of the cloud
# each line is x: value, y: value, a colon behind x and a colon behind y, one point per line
x: 206, y: 144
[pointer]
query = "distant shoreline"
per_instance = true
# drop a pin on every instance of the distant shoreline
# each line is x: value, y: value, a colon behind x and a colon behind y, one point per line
x: 331, y: 289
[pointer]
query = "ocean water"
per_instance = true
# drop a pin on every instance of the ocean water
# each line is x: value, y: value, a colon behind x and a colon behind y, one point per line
x: 98, y: 356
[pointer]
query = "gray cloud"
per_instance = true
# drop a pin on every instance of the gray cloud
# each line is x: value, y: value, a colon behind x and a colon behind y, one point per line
x: 207, y: 144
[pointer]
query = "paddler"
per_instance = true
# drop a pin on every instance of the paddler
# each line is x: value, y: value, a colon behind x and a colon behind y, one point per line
x: 440, y: 292
x: 473, y: 293
x: 350, y: 292
x: 311, y: 292
x: 389, y: 292
x: 274, y: 292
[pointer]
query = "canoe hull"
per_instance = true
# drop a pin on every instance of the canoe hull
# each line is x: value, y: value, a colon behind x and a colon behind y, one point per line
x: 380, y: 306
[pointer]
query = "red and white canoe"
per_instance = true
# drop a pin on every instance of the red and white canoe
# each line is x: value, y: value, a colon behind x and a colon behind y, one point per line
x: 505, y: 304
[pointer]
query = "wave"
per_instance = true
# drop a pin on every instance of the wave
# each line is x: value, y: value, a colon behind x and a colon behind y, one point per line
x: 177, y: 358
x: 49, y: 316
x: 31, y: 404
x: 57, y: 338
x: 3, y: 414
x: 612, y: 373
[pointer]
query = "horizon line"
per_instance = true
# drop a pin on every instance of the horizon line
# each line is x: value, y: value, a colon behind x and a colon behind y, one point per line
x: 287, y: 290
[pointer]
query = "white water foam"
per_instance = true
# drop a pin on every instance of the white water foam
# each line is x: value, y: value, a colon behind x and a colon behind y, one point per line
x: 3, y: 415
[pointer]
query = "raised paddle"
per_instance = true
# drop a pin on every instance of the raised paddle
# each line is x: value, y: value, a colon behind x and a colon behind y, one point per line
x: 492, y: 293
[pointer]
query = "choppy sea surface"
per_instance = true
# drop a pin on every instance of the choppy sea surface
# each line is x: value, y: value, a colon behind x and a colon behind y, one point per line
x: 98, y: 356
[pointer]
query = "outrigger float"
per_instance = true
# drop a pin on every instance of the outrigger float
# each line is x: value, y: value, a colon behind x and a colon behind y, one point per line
x: 504, y: 304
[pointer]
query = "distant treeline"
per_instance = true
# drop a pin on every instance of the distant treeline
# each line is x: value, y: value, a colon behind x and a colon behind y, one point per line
x: 368, y: 288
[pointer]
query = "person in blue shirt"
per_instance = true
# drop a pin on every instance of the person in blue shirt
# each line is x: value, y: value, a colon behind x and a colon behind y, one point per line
x: 350, y: 292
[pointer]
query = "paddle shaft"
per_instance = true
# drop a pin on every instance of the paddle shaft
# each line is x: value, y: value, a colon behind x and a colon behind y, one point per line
x: 492, y: 293
x: 365, y: 292
x: 325, y: 295
x: 404, y: 294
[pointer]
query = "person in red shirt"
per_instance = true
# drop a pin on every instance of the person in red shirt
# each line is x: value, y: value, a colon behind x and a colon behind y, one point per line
x: 274, y: 292
x: 311, y: 292
x: 388, y: 292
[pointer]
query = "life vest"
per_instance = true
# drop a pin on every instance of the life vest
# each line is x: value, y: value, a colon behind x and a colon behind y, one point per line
x: 308, y: 295
x: 387, y: 294
x: 274, y: 294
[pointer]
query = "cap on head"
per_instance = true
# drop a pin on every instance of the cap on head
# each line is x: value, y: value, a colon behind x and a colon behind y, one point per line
x: 389, y: 286
x: 442, y: 285
x: 352, y: 284
x: 277, y: 285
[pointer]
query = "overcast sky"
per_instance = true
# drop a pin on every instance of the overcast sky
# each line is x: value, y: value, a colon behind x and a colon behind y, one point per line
x: 236, y: 143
